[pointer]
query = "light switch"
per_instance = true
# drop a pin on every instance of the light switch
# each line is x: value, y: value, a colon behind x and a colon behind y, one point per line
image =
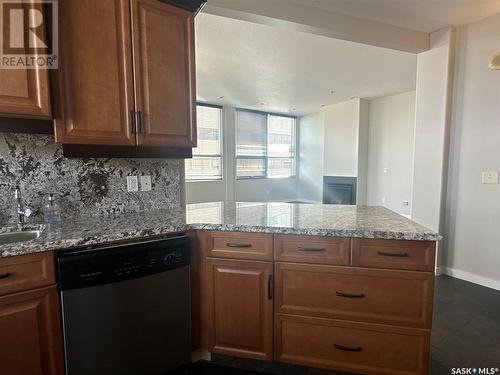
x: 489, y: 178
x: 146, y: 183
x: 132, y: 184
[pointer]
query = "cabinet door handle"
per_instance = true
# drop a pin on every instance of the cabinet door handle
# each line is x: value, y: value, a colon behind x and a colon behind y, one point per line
x: 139, y: 122
x: 311, y: 249
x: 385, y: 254
x: 270, y: 287
x: 5, y: 275
x: 232, y: 244
x: 349, y: 295
x: 132, y: 121
x: 348, y: 348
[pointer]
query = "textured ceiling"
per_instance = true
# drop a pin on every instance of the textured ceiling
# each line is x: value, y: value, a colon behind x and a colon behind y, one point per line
x: 268, y: 68
x: 420, y: 15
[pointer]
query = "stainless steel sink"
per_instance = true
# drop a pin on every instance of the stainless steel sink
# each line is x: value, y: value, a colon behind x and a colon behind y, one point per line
x: 20, y: 236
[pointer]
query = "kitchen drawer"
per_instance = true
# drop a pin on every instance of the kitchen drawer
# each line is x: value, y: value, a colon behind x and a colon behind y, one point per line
x: 23, y: 272
x: 361, y: 294
x: 312, y: 249
x: 404, y: 255
x: 239, y: 245
x: 354, y: 347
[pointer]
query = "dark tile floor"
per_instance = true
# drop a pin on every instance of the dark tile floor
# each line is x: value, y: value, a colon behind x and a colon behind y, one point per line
x: 466, y: 333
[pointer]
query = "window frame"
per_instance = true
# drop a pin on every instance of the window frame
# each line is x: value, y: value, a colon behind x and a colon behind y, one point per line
x: 221, y: 147
x: 266, y: 157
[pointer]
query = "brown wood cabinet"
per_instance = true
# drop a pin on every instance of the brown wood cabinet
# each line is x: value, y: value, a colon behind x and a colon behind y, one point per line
x: 241, y: 308
x: 25, y: 272
x: 163, y: 45
x: 31, y: 341
x: 359, y: 294
x: 238, y: 245
x: 355, y: 347
x: 24, y: 93
x: 403, y: 255
x: 312, y: 249
x: 126, y: 74
x: 364, y: 308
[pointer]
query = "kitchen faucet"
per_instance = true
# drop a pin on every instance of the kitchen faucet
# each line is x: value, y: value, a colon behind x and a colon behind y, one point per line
x: 22, y: 213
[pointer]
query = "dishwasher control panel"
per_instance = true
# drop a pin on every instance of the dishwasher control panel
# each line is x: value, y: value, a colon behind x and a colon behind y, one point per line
x: 85, y: 268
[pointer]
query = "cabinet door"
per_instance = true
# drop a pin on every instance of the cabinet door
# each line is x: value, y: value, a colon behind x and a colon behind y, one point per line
x: 95, y: 86
x: 24, y: 92
x: 30, y: 342
x: 241, y: 308
x: 163, y: 40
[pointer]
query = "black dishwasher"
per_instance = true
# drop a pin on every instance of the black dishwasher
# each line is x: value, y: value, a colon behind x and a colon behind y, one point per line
x: 126, y: 308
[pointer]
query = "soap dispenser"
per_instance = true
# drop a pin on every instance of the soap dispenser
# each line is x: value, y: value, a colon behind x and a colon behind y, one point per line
x: 52, y: 212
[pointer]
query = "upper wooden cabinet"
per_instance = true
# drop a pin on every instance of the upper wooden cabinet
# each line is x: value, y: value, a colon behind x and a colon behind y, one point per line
x: 24, y: 93
x: 163, y: 44
x: 126, y: 74
x: 95, y: 100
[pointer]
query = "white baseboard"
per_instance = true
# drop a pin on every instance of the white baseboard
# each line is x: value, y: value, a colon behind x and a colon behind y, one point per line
x: 467, y: 276
x: 439, y: 271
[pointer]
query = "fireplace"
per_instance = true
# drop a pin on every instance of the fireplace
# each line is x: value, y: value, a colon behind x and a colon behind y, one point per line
x: 339, y: 190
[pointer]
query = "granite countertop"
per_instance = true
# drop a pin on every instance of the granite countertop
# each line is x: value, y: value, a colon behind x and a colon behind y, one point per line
x: 286, y: 218
x: 97, y: 230
x: 306, y: 219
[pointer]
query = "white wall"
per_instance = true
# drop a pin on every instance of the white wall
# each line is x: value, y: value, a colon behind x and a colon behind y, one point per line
x: 341, y: 139
x: 266, y: 189
x: 432, y: 123
x: 363, y: 137
x: 390, y: 147
x: 472, y: 230
x: 333, y: 142
x: 311, y: 145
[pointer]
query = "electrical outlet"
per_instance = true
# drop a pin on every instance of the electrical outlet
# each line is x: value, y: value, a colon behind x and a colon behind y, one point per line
x: 132, y: 184
x: 146, y: 183
x: 489, y: 178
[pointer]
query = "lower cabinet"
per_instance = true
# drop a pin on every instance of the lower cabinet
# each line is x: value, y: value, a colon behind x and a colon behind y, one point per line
x: 241, y: 308
x: 366, y: 314
x: 30, y: 340
x: 394, y: 297
x: 348, y: 346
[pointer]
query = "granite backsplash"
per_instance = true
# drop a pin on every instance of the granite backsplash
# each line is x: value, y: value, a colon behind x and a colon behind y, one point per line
x: 81, y: 186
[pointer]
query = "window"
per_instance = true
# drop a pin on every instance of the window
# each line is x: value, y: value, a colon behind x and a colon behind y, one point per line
x: 265, y: 145
x: 206, y: 163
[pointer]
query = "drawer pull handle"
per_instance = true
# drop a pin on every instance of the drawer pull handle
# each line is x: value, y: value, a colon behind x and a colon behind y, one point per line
x: 311, y: 249
x: 5, y: 275
x: 350, y: 295
x: 348, y: 348
x: 270, y: 287
x: 400, y: 255
x: 242, y: 245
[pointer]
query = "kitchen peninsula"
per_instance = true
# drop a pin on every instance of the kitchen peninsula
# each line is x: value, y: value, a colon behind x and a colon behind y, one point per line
x: 338, y: 287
